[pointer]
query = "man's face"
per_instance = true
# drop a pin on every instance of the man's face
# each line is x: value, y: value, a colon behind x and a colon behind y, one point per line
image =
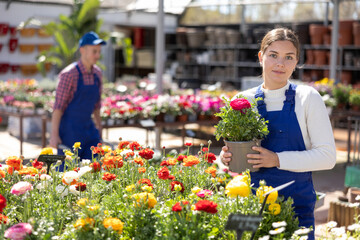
x: 90, y: 54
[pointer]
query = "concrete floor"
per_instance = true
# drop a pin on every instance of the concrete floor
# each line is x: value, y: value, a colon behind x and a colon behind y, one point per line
x: 330, y: 182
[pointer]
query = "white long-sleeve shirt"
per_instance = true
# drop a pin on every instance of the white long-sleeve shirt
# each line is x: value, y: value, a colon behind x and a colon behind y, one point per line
x: 315, y: 126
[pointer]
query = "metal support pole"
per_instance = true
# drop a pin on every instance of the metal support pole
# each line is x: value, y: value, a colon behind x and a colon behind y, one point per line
x: 160, y: 48
x: 334, y: 40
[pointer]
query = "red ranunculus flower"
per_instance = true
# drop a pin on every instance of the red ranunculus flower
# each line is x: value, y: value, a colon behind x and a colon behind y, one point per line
x: 134, y: 146
x: 37, y: 165
x: 80, y: 186
x: 164, y: 163
x: 146, y: 153
x: 95, y: 166
x: 173, y: 183
x: 206, y: 206
x: 239, y: 104
x: 129, y: 154
x: 177, y: 206
x: 2, y: 203
x: 205, y: 149
x: 188, y: 144
x: 163, y: 173
x: 209, y: 157
x: 145, y: 181
x: 97, y: 150
x: 123, y: 144
x: 108, y: 176
x: 181, y: 157
x: 77, y: 169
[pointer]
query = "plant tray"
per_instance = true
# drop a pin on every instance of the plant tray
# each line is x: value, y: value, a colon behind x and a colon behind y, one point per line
x: 352, y: 176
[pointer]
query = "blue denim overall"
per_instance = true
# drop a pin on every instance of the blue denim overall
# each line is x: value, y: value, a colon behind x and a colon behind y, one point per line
x: 76, y: 123
x: 285, y: 135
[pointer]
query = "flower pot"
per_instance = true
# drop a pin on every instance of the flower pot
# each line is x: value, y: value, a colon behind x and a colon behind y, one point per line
x: 239, y: 150
x: 169, y: 118
x: 182, y: 118
x: 317, y: 32
x: 356, y: 33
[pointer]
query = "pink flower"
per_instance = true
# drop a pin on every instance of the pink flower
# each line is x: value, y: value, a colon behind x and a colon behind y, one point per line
x: 21, y: 188
x: 204, y: 193
x: 239, y: 104
x: 18, y: 231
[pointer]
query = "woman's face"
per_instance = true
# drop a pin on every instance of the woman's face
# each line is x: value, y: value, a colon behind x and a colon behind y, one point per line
x: 278, y: 63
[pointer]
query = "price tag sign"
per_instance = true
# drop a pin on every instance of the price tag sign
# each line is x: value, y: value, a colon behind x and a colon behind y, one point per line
x: 241, y: 223
x: 50, y: 159
x: 147, y: 123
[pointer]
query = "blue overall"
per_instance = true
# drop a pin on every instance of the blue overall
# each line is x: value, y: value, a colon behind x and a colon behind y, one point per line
x: 76, y: 123
x: 285, y: 135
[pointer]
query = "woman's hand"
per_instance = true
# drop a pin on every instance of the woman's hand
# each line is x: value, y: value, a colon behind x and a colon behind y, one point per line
x: 225, y: 156
x: 265, y: 158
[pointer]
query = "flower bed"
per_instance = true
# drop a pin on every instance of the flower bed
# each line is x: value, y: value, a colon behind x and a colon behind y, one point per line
x: 133, y: 193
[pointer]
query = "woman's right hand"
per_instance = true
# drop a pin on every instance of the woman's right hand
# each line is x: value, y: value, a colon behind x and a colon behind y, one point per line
x: 225, y: 156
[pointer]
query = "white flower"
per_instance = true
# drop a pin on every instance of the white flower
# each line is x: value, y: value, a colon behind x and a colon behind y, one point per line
x: 84, y: 170
x: 357, y: 198
x: 123, y: 153
x: 85, y: 162
x: 331, y: 224
x: 354, y: 205
x: 45, y: 177
x: 277, y: 231
x: 302, y: 231
x: 70, y: 176
x: 279, y: 224
x: 73, y: 190
x: 354, y: 227
x: 29, y: 177
x: 339, y: 231
x: 303, y: 238
x: 62, y: 190
x: 43, y: 185
x: 266, y: 237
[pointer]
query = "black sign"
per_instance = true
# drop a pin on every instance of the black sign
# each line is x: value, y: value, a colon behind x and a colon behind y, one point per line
x: 243, y: 222
x: 50, y: 159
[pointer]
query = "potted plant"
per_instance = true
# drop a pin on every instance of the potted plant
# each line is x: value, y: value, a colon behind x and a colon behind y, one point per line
x: 354, y: 100
x: 341, y: 93
x: 241, y: 127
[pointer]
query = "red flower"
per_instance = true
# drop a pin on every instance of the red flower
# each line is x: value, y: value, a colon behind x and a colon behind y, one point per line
x: 97, y: 150
x: 145, y: 181
x: 95, y: 166
x: 181, y: 157
x: 129, y: 154
x: 171, y: 177
x: 147, y: 153
x: 173, y: 183
x: 108, y: 176
x: 37, y: 165
x: 177, y: 207
x: 77, y: 169
x: 205, y: 149
x: 2, y: 203
x: 134, y: 146
x: 164, y: 163
x: 188, y: 144
x: 80, y: 186
x: 123, y: 144
x: 163, y: 173
x: 3, y: 219
x: 239, y: 104
x: 206, y: 206
x: 209, y: 157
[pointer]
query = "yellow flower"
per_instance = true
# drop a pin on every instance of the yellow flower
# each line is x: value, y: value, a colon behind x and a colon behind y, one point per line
x: 274, y: 208
x: 193, y: 207
x: 177, y: 187
x: 146, y: 188
x: 46, y: 151
x: 82, y: 202
x: 196, y: 189
x: 172, y: 161
x: 115, y: 223
x: 28, y: 171
x: 130, y: 188
x: 106, y: 148
x: 79, y: 223
x: 237, y: 187
x: 264, y: 189
x: 93, y: 208
x: 145, y: 198
x: 68, y: 153
x: 76, y: 145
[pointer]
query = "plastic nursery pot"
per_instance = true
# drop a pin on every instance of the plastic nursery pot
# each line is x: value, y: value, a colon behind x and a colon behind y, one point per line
x: 239, y: 151
x: 4, y: 28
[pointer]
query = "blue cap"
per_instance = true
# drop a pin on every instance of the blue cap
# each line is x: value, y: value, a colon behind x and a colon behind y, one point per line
x: 91, y: 38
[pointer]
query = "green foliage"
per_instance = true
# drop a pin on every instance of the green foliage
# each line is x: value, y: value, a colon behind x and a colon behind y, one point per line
x: 341, y: 93
x: 237, y: 126
x: 354, y: 98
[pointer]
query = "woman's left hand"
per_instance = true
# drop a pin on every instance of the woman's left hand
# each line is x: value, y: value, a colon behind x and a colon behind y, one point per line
x: 265, y: 158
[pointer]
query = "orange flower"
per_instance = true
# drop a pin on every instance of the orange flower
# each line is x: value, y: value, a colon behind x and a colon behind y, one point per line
x: 14, y: 162
x: 142, y: 170
x: 108, y: 176
x: 172, y: 161
x: 190, y: 161
x: 3, y: 219
x: 123, y: 144
x: 115, y: 223
x: 212, y: 171
x: 95, y: 166
x: 110, y: 161
x: 139, y: 161
x: 80, y: 186
x: 84, y: 223
x: 2, y: 174
x: 145, y: 181
x: 28, y: 171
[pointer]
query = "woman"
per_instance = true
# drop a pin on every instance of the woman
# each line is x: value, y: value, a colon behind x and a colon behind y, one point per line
x: 301, y: 138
